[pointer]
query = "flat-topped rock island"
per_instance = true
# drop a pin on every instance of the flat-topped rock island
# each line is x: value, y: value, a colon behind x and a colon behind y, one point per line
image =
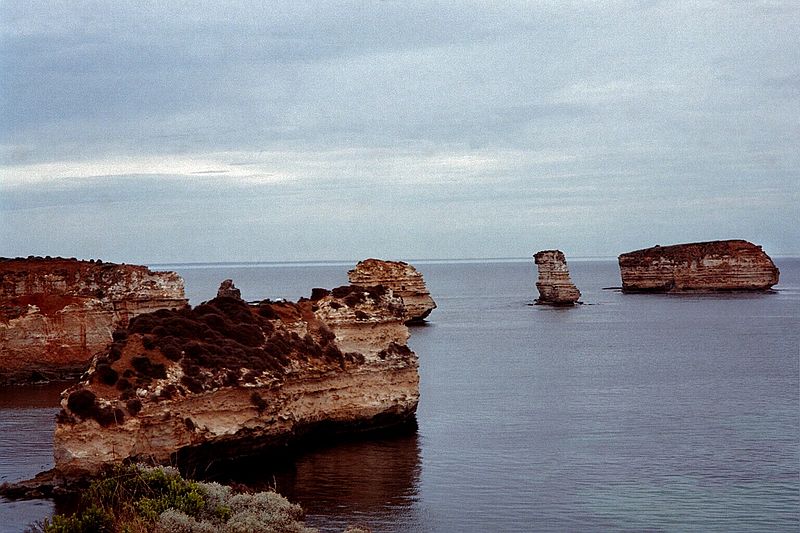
x: 714, y: 266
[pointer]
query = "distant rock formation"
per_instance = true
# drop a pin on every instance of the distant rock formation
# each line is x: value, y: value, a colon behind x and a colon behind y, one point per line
x: 230, y: 379
x: 554, y: 284
x: 228, y: 290
x: 732, y: 265
x: 56, y: 313
x: 404, y: 281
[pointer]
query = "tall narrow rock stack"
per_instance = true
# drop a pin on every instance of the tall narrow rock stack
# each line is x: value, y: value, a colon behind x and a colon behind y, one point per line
x: 554, y: 284
x: 733, y: 265
x: 56, y: 313
x: 403, y: 280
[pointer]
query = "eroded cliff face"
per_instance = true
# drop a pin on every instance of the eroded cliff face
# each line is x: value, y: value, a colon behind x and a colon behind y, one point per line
x: 403, y: 279
x: 231, y: 378
x: 56, y: 313
x: 554, y: 284
x: 733, y: 265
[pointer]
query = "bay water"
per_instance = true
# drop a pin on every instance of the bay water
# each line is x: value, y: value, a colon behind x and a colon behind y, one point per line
x: 630, y: 412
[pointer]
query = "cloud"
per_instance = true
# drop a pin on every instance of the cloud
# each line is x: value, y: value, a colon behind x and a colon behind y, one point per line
x: 393, y: 124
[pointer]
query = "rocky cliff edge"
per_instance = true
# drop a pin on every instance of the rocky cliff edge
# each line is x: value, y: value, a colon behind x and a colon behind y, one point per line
x: 233, y: 379
x: 404, y: 281
x: 56, y: 313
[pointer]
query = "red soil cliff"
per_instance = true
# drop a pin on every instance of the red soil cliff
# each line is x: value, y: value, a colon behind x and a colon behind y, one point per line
x: 56, y: 313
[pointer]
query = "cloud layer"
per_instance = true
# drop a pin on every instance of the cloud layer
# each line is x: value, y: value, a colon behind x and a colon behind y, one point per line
x: 279, y: 131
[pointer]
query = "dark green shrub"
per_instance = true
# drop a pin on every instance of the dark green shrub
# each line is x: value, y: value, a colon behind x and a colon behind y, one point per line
x: 134, y: 405
x: 82, y: 402
x: 137, y: 499
x: 94, y: 519
x: 105, y: 374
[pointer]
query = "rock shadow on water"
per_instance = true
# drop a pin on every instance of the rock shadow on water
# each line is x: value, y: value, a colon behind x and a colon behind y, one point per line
x: 341, y: 480
x: 688, y: 296
x: 556, y: 307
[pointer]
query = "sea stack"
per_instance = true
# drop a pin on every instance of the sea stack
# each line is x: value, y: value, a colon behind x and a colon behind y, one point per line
x: 227, y: 379
x: 228, y: 290
x: 404, y: 281
x: 732, y: 265
x: 554, y: 284
x: 56, y: 313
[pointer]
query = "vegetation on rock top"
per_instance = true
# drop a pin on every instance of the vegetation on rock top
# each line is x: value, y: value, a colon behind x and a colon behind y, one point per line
x: 220, y: 343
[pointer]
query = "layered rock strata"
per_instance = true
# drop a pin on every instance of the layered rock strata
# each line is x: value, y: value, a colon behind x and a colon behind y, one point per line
x: 228, y: 378
x: 732, y: 265
x: 56, y: 313
x: 554, y: 284
x: 403, y: 279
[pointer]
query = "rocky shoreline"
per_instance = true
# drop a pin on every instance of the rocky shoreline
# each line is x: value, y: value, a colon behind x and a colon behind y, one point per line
x: 232, y: 376
x: 139, y: 497
x: 228, y: 379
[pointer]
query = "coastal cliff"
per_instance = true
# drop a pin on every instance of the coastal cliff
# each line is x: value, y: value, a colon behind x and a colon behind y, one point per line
x: 554, y: 284
x: 732, y: 265
x: 56, y: 313
x: 233, y: 379
x: 403, y: 279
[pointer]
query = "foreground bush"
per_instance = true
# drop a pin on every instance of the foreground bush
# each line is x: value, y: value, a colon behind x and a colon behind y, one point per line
x: 138, y: 499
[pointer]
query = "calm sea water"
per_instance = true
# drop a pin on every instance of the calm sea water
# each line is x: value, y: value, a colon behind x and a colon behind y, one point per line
x: 632, y: 412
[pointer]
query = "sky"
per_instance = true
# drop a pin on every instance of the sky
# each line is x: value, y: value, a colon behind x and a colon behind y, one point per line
x: 289, y: 131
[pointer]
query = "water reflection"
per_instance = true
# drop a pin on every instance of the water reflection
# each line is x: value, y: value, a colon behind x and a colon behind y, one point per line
x: 27, y: 421
x: 640, y: 412
x: 46, y: 395
x: 371, y: 481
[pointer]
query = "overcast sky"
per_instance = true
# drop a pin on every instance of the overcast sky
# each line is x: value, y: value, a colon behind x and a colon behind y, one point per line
x: 174, y: 131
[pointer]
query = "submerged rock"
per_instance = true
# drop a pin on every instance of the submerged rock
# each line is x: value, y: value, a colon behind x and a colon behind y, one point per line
x: 732, y: 265
x: 554, y: 284
x: 227, y: 379
x: 403, y: 279
x: 56, y: 313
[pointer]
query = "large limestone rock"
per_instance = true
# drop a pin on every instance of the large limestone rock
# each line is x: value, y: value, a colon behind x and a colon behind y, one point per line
x: 56, y: 313
x: 733, y: 265
x: 403, y: 279
x: 554, y: 284
x: 228, y: 379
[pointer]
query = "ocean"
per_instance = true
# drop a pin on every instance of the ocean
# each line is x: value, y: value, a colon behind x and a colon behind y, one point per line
x: 627, y: 413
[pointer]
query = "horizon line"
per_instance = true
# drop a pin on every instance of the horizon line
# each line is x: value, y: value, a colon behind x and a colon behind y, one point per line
x: 324, y: 262
x: 334, y: 261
